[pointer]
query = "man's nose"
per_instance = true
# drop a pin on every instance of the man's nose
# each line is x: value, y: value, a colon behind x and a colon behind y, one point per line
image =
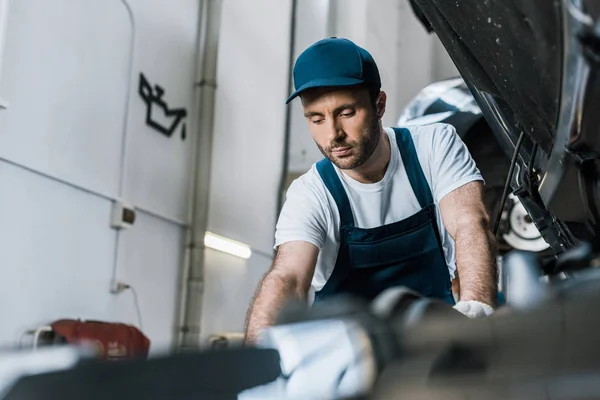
x: 335, y: 130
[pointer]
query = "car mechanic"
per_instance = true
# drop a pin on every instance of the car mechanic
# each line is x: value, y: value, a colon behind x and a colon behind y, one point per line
x: 386, y: 207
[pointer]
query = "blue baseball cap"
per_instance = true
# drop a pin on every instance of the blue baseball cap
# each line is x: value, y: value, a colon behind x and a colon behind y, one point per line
x: 334, y: 62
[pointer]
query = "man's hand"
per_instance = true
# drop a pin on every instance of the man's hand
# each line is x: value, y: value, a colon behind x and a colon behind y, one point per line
x: 466, y: 220
x: 289, y: 278
x: 473, y: 308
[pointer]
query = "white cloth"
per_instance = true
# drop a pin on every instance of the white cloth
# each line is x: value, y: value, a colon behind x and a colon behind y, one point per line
x: 473, y: 308
x: 310, y: 213
x: 324, y: 359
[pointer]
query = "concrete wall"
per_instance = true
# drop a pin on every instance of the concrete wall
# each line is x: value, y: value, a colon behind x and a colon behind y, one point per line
x: 74, y: 139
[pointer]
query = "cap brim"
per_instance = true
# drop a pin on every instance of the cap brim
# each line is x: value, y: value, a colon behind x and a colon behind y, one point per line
x: 331, y: 82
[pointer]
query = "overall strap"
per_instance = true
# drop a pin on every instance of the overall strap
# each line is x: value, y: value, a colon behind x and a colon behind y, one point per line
x: 335, y: 187
x: 413, y: 167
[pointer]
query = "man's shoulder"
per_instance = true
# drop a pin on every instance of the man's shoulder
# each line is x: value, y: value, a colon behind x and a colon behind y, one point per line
x: 308, y: 183
x: 430, y: 130
x: 430, y: 137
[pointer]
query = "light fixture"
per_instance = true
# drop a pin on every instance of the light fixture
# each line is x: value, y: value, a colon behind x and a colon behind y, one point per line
x: 227, y: 245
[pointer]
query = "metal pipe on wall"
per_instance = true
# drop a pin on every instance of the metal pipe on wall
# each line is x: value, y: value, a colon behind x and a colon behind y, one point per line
x: 192, y: 277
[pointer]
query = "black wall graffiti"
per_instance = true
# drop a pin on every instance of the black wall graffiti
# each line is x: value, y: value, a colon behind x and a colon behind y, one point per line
x: 155, y: 103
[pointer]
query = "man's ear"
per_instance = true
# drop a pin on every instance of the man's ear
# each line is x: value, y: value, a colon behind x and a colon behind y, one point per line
x: 380, y: 104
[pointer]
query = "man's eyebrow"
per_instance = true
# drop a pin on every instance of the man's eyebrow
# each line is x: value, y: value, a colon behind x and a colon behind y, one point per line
x: 336, y: 111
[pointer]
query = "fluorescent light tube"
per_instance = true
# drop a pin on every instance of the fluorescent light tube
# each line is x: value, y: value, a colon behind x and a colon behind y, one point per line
x: 227, y: 245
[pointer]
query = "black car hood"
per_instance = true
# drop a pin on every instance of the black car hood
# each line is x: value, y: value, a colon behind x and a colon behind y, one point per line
x: 533, y: 67
x: 509, y: 49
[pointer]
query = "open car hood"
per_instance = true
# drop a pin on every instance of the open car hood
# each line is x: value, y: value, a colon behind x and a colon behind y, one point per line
x: 509, y: 50
x: 533, y: 68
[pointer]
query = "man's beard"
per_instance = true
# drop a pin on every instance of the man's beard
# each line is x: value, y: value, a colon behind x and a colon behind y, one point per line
x: 362, y: 150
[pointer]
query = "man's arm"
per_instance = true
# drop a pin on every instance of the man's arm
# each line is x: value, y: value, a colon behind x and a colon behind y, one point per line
x: 289, y: 278
x: 466, y: 220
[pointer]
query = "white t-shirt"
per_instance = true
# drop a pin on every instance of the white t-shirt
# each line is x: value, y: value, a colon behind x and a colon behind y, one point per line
x: 310, y: 213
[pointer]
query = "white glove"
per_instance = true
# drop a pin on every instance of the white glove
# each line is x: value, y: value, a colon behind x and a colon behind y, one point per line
x: 473, y: 308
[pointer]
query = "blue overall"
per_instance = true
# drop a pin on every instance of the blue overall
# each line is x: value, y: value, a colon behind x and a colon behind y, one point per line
x: 404, y: 253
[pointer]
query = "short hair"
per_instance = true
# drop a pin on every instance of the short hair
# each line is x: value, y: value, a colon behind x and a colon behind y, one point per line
x: 373, y: 94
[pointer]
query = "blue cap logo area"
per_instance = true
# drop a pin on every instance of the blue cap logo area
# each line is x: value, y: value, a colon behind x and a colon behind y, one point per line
x: 334, y: 62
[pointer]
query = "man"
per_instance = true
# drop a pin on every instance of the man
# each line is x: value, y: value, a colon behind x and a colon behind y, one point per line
x: 386, y: 207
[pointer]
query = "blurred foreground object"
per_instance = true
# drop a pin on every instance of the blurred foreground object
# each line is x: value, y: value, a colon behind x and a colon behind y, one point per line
x: 543, y: 344
x: 63, y: 373
x: 16, y: 365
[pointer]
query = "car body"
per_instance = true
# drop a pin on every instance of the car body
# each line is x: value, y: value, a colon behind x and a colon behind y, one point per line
x: 532, y: 68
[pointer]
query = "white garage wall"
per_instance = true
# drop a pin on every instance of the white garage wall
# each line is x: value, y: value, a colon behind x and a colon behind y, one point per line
x: 3, y: 19
x: 70, y: 72
x: 414, y: 56
x: 313, y: 23
x: 247, y: 154
x: 158, y: 167
x: 442, y: 64
x: 66, y: 77
x: 56, y: 251
x: 249, y: 120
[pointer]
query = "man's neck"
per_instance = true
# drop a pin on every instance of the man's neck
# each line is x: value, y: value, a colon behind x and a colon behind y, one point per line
x: 373, y: 170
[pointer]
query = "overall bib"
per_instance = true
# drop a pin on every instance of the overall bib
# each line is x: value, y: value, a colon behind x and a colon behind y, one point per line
x: 404, y: 253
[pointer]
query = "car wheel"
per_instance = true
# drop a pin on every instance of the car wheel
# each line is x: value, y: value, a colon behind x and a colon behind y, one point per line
x: 516, y: 229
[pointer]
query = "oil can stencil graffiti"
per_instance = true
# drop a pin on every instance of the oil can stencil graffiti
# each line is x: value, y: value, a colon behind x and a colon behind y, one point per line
x: 159, y: 115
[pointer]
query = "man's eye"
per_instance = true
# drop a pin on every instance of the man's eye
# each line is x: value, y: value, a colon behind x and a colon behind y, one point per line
x: 316, y: 121
x: 347, y: 114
